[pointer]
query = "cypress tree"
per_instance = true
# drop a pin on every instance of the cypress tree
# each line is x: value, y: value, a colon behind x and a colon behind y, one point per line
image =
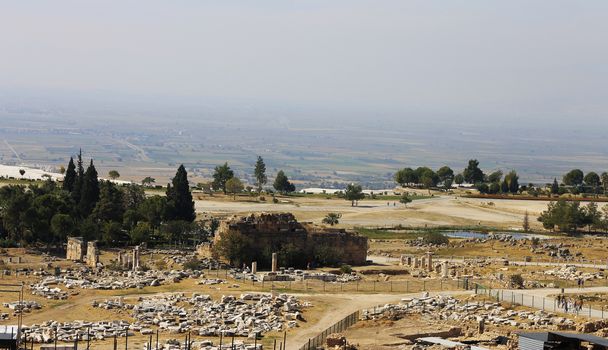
x: 555, y: 187
x: 180, y: 205
x: 90, y: 190
x: 70, y: 176
x: 79, y: 182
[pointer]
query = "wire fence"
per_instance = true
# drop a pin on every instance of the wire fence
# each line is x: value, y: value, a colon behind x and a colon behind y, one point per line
x: 568, y: 305
x: 362, y: 286
x: 338, y: 327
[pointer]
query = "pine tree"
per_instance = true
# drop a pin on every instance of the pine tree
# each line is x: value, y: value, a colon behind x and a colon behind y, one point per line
x: 70, y: 176
x: 260, y: 174
x: 179, y: 199
x: 90, y: 190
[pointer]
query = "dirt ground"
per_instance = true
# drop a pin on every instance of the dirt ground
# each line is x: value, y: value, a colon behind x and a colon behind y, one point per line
x: 441, y: 210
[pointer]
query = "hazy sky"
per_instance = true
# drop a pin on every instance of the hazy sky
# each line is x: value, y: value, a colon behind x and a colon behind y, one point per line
x: 523, y: 59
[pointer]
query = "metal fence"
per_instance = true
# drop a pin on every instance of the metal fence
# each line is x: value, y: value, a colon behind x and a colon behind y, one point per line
x: 339, y: 326
x: 541, y: 303
x: 409, y: 286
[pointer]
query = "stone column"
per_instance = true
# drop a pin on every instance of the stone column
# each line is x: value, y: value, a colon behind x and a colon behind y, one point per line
x: 92, y: 254
x: 444, y: 270
x: 254, y: 267
x: 429, y: 261
x: 275, y: 262
x: 136, y: 258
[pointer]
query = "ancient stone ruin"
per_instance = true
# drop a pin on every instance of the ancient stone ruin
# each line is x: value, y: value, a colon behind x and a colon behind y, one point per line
x: 92, y: 254
x: 75, y: 249
x: 272, y: 232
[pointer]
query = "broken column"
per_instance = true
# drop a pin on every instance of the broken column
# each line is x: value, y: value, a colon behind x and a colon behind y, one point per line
x: 92, y: 254
x: 136, y: 258
x: 75, y: 249
x: 429, y: 261
x: 254, y: 267
x: 275, y: 262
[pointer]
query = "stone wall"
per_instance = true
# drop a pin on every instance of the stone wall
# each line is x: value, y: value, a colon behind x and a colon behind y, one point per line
x: 75, y: 249
x: 270, y: 233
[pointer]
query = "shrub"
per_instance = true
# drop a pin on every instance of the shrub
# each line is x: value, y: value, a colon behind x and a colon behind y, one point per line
x: 516, y: 281
x: 435, y: 238
x: 346, y: 269
x: 193, y: 264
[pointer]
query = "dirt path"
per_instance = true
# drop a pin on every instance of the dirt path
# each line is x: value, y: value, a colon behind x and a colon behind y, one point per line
x: 342, y: 306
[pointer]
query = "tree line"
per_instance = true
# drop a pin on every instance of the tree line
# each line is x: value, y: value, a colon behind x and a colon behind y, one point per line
x: 99, y: 210
x: 570, y: 217
x: 575, y: 181
x: 224, y: 179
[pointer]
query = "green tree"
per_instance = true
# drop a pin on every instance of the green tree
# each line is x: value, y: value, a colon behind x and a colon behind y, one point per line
x: 110, y: 205
x: 141, y: 233
x: 459, y: 179
x: 445, y: 173
x: 133, y: 196
x: 260, y: 174
x: 22, y: 172
x: 180, y: 205
x: 70, y: 176
x: 526, y: 223
x: 593, y: 180
x: 332, y: 219
x: 427, y: 177
x: 222, y: 174
x: 604, y: 178
x: 113, y: 174
x: 112, y: 233
x: 574, y: 178
x: 234, y: 186
x: 79, y: 182
x: 405, y: 199
x: 282, y: 183
x: 495, y: 177
x: 406, y: 176
x: 153, y: 209
x: 494, y: 188
x: 565, y: 216
x: 62, y: 226
x: 90, y: 190
x: 354, y: 193
x: 234, y: 247
x: 472, y: 174
x: 148, y: 181
x: 512, y: 181
x: 554, y: 187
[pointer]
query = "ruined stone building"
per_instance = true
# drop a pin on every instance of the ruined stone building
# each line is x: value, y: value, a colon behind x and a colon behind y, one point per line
x: 75, y: 249
x: 296, y: 244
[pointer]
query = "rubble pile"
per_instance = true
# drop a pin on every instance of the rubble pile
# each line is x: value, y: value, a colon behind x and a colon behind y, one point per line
x: 70, y: 331
x: 108, y: 280
x: 246, y: 316
x: 448, y: 308
x: 26, y: 305
x: 291, y: 274
x: 571, y: 273
x: 174, y: 344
